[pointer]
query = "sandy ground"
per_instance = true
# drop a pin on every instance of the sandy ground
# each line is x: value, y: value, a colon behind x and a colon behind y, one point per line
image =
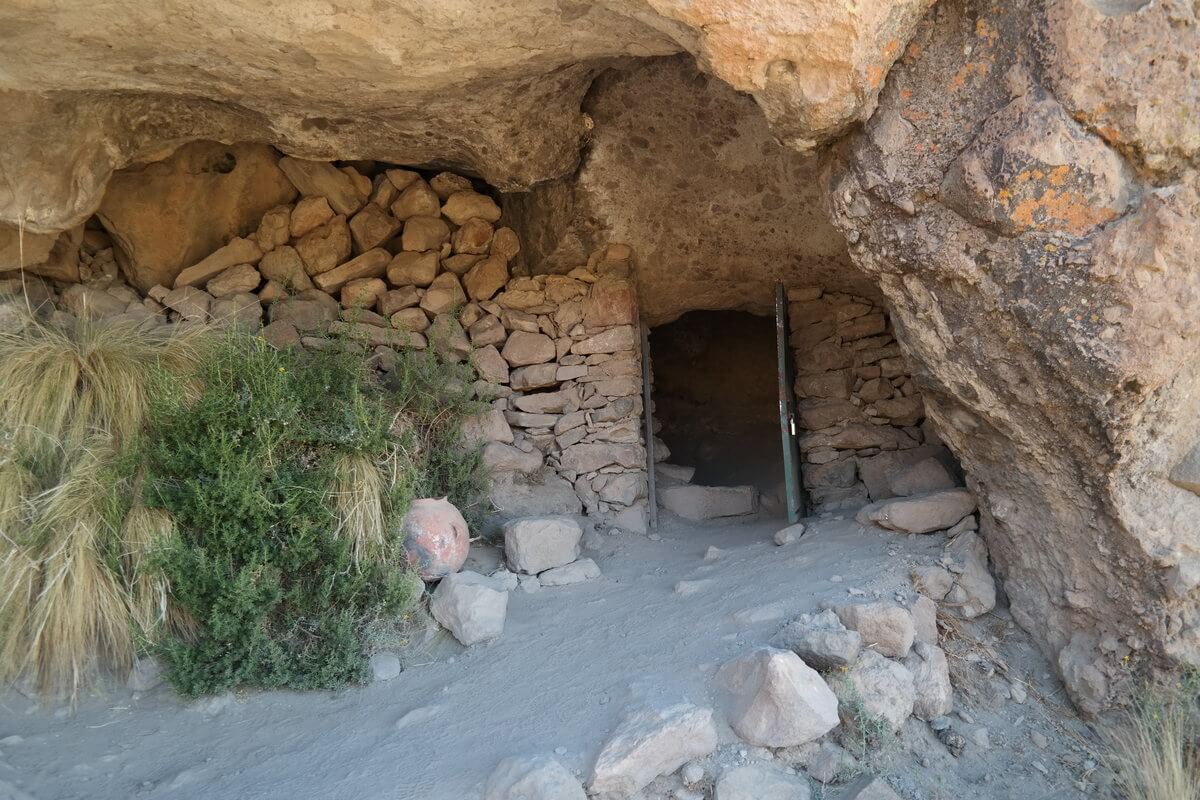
x: 571, y: 658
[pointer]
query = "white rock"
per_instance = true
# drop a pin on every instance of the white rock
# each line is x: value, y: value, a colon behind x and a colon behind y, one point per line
x: 535, y: 544
x: 882, y: 687
x: 713, y: 553
x: 923, y: 513
x: 576, y: 572
x: 884, y: 627
x: 789, y: 534
x: 760, y: 782
x: 145, y: 675
x: 468, y: 605
x: 709, y: 502
x: 821, y: 641
x: 778, y: 700
x: 532, y: 778
x: 931, y: 679
x: 651, y: 742
x: 385, y: 666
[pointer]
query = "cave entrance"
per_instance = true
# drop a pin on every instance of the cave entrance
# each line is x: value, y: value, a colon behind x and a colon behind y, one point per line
x: 716, y: 404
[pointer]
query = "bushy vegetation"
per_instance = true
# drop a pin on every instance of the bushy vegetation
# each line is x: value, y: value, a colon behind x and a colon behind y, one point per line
x: 232, y: 508
x: 287, y: 478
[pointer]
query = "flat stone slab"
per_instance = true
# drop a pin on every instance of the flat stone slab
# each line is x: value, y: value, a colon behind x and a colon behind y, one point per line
x: 709, y: 502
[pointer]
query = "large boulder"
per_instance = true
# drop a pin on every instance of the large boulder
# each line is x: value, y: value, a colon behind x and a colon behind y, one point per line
x: 532, y: 778
x: 436, y: 537
x: 778, y: 700
x: 649, y: 742
x: 536, y: 544
x: 151, y: 211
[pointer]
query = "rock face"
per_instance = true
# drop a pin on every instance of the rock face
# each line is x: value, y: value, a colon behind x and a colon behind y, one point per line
x: 651, y: 742
x: 1084, y: 257
x: 170, y: 214
x: 1021, y: 200
x: 651, y: 121
x: 508, y: 113
x: 779, y: 701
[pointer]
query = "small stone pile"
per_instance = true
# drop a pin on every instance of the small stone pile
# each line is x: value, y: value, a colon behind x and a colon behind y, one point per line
x: 858, y: 406
x: 872, y: 664
x: 395, y: 261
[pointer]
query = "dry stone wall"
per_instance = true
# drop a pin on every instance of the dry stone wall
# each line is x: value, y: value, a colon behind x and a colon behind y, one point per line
x: 860, y: 416
x: 384, y: 259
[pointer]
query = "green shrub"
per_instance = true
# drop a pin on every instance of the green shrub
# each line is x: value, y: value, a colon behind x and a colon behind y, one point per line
x: 248, y: 466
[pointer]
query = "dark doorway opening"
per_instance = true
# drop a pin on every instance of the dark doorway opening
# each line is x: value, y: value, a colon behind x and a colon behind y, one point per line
x: 716, y: 398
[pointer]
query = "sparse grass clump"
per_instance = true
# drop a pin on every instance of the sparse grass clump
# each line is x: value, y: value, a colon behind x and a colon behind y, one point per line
x: 287, y: 479
x: 1155, y: 748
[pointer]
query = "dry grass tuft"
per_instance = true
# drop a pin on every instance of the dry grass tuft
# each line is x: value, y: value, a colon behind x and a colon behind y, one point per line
x: 60, y: 385
x: 1156, y: 751
x: 73, y: 589
x: 358, y: 493
x: 80, y: 613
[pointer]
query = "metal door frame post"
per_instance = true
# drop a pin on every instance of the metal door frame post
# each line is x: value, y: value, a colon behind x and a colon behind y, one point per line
x: 796, y: 502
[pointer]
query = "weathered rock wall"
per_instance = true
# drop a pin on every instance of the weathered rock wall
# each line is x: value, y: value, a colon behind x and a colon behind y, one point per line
x: 404, y: 263
x: 690, y: 170
x: 490, y: 89
x: 1036, y: 246
x: 859, y: 410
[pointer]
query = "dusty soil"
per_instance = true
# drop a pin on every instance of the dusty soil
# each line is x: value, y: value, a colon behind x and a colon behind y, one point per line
x: 570, y: 659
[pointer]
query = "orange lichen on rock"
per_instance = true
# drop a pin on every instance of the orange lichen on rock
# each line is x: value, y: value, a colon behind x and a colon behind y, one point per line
x: 1055, y: 210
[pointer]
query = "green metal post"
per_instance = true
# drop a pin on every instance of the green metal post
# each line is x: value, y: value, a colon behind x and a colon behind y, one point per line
x: 796, y: 501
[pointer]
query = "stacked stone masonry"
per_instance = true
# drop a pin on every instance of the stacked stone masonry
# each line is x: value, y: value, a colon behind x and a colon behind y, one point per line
x: 860, y: 416
x: 384, y: 260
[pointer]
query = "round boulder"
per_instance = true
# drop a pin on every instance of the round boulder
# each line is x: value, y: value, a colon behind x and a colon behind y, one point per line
x: 436, y: 538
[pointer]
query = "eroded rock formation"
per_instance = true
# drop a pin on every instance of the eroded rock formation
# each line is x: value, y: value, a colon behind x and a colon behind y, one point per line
x: 1040, y: 272
x: 493, y: 89
x: 1022, y: 195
